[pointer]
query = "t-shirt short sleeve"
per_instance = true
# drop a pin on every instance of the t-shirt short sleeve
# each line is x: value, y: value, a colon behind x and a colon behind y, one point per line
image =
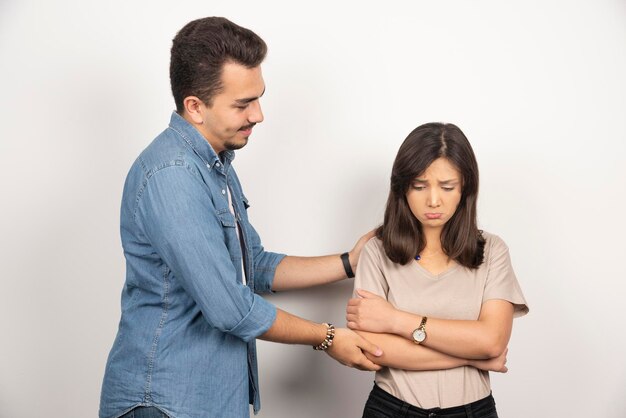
x: 369, y: 274
x: 501, y: 281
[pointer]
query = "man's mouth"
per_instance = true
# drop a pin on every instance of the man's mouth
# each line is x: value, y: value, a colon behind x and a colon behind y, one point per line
x: 247, y: 129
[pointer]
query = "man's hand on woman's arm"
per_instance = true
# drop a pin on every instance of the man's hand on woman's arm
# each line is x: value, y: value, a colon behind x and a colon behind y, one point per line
x: 348, y: 348
x: 299, y: 272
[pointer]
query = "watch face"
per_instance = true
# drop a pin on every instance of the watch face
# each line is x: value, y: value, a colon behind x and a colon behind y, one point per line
x: 419, y: 335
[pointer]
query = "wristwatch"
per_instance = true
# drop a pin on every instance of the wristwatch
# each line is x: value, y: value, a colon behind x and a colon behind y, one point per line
x: 419, y: 334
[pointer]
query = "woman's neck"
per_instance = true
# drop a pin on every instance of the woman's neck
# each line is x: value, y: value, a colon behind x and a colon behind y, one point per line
x: 432, y: 237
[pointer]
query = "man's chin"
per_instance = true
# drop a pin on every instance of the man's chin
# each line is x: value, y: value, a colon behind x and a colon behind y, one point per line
x: 233, y: 146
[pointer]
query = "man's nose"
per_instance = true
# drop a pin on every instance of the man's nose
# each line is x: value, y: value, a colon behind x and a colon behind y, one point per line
x: 255, y: 114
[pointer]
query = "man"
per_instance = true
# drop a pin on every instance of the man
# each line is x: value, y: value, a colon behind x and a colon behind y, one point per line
x: 190, y: 313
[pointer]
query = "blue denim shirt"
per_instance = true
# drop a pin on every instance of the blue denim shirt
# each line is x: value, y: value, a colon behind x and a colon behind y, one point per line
x: 186, y: 338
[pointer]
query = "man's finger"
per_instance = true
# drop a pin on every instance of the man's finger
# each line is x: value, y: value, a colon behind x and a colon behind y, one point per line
x: 369, y: 347
x: 367, y: 365
x: 369, y: 235
x: 351, y: 309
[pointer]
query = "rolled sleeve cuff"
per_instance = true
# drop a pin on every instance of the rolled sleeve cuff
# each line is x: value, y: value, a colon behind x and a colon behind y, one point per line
x: 257, y: 321
x: 265, y: 271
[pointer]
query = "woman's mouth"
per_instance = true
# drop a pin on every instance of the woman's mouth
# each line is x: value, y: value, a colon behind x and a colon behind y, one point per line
x: 434, y: 215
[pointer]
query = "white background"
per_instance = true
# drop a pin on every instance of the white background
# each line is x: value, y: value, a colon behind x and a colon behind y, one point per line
x: 538, y: 87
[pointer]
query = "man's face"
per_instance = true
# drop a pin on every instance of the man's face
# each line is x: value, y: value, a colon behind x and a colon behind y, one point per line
x: 228, y: 122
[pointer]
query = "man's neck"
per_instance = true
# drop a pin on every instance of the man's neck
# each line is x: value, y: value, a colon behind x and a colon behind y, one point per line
x: 201, y: 128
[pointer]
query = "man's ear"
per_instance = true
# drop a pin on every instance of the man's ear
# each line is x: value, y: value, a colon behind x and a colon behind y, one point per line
x: 193, y: 107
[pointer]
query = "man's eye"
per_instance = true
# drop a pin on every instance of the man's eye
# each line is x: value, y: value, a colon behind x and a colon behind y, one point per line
x: 242, y: 107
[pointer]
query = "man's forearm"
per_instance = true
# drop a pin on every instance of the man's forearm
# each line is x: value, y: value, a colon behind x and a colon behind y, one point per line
x: 290, y: 329
x: 346, y: 347
x: 300, y: 272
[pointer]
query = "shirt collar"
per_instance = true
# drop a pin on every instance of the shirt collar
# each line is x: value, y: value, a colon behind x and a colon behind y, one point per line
x: 198, y: 143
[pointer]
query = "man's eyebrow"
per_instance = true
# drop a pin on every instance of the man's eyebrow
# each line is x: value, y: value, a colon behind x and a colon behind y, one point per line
x: 249, y: 99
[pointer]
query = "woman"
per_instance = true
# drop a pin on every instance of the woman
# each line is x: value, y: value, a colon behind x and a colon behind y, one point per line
x: 433, y: 291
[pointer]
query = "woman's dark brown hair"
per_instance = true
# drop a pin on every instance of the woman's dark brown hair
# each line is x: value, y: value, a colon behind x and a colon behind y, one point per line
x: 401, y: 233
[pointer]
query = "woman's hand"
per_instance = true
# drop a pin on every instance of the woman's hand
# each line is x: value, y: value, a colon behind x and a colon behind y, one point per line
x: 496, y: 364
x: 370, y: 312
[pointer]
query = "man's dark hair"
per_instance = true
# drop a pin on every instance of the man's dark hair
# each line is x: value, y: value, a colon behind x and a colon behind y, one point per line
x: 401, y: 233
x: 199, y: 52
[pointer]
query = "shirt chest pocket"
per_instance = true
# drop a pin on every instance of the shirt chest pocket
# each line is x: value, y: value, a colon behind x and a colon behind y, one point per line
x: 231, y: 235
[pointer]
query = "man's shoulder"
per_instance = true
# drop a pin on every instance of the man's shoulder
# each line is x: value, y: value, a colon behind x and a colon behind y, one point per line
x: 166, y: 150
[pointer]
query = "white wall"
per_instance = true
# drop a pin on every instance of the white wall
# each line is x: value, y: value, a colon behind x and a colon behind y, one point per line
x: 537, y: 86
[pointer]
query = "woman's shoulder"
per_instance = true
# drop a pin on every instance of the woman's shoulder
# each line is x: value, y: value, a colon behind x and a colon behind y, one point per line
x: 374, y: 246
x: 375, y: 250
x: 494, y: 244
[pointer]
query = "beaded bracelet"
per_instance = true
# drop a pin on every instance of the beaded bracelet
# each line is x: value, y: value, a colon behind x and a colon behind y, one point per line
x: 328, y: 341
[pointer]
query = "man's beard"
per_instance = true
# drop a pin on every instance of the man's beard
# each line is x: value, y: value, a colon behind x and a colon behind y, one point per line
x: 232, y: 146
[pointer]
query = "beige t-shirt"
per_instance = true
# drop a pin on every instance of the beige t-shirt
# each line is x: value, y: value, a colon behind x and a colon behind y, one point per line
x: 457, y: 293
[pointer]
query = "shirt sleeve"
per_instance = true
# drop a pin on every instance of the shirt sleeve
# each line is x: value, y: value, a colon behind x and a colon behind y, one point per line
x: 501, y: 280
x: 265, y: 263
x: 369, y: 273
x: 176, y: 213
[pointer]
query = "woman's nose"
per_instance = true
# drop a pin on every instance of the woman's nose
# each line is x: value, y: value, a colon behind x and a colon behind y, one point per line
x: 434, y: 199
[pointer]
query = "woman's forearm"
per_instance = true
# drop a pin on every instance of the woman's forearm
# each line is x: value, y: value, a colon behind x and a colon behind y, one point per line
x: 484, y: 338
x: 401, y: 353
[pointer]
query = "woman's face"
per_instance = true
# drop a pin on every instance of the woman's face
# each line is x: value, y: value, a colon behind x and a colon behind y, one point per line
x: 434, y: 195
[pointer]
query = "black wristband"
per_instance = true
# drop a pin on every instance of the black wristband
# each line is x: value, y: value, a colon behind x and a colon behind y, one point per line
x: 345, y: 257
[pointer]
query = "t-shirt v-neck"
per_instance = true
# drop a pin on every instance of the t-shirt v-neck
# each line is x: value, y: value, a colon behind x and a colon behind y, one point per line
x: 424, y: 271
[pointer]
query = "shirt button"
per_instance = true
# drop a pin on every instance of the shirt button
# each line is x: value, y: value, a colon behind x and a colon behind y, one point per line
x: 223, y: 191
x: 217, y: 164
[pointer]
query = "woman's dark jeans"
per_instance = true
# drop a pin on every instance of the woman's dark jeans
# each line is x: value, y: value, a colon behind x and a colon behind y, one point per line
x: 144, y: 412
x: 381, y: 404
